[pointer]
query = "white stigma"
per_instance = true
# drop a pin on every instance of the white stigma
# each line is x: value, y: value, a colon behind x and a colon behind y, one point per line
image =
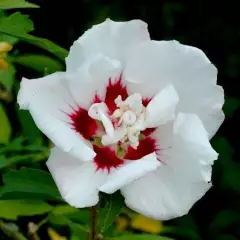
x: 129, y: 119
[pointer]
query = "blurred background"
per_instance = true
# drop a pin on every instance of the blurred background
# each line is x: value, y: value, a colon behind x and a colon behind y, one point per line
x: 29, y: 208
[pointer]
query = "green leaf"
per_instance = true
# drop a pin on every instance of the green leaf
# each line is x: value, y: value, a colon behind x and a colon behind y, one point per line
x: 186, y: 221
x: 181, y: 232
x: 63, y: 210
x: 225, y: 237
x: 76, y: 219
x: 29, y: 183
x: 7, y: 38
x: 230, y: 179
x: 5, y: 127
x: 6, y: 162
x: 77, y: 234
x: 2, y: 13
x: 18, y: 145
x: 22, y: 158
x: 140, y: 237
x: 10, y: 4
x: 74, y: 214
x: 45, y: 44
x: 183, y: 227
x: 29, y: 128
x: 12, y: 209
x: 64, y: 221
x: 18, y: 26
x: 17, y: 23
x: 108, y: 213
x: 223, y: 147
x: 40, y: 63
x: 15, y: 144
x: 7, y: 77
x: 225, y: 219
x: 230, y: 106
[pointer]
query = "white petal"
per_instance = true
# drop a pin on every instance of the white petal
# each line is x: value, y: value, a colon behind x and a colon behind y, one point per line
x: 184, y: 177
x: 152, y: 65
x: 112, y: 39
x: 130, y: 172
x: 164, y: 135
x: 166, y: 61
x: 91, y: 78
x: 77, y: 181
x: 49, y: 102
x: 161, y: 108
x: 207, y: 103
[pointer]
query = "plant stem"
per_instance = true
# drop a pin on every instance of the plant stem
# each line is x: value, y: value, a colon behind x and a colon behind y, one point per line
x: 32, y: 231
x: 11, y: 231
x: 94, y: 216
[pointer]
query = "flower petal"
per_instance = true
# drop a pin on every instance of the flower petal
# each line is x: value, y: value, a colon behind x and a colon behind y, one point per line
x: 49, y: 104
x: 112, y: 39
x: 106, y: 158
x: 91, y: 79
x: 83, y: 124
x: 161, y: 108
x: 187, y: 69
x: 77, y: 181
x: 129, y: 172
x: 166, y: 61
x: 115, y: 89
x: 145, y: 147
x: 184, y: 177
x: 207, y: 103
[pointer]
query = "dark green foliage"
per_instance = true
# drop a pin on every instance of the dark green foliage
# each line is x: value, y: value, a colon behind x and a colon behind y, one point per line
x: 28, y: 192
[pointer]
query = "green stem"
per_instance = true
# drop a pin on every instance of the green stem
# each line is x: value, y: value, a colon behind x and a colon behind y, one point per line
x: 44, y: 221
x: 94, y: 216
x: 11, y: 231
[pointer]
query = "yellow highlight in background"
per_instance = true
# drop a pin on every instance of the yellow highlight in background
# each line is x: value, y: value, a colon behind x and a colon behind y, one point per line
x: 53, y: 235
x: 4, y: 48
x: 145, y: 224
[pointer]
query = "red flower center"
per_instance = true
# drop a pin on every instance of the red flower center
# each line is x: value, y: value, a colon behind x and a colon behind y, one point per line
x: 91, y: 129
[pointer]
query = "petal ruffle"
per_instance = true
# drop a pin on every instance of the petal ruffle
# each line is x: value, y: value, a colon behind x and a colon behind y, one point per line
x: 161, y: 108
x: 91, y: 79
x: 112, y: 39
x: 130, y: 172
x: 152, y: 65
x: 49, y: 104
x: 77, y: 181
x: 184, y: 177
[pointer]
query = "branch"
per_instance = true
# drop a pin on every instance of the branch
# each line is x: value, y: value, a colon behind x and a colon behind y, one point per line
x: 94, y: 216
x: 11, y: 231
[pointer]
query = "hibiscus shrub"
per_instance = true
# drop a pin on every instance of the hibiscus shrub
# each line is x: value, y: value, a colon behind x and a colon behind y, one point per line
x: 114, y: 135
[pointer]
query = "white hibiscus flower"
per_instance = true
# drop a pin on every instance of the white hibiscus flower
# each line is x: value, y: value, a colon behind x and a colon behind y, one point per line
x: 132, y: 114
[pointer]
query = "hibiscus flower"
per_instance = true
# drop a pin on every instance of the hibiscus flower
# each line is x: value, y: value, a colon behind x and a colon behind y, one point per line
x: 129, y: 113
